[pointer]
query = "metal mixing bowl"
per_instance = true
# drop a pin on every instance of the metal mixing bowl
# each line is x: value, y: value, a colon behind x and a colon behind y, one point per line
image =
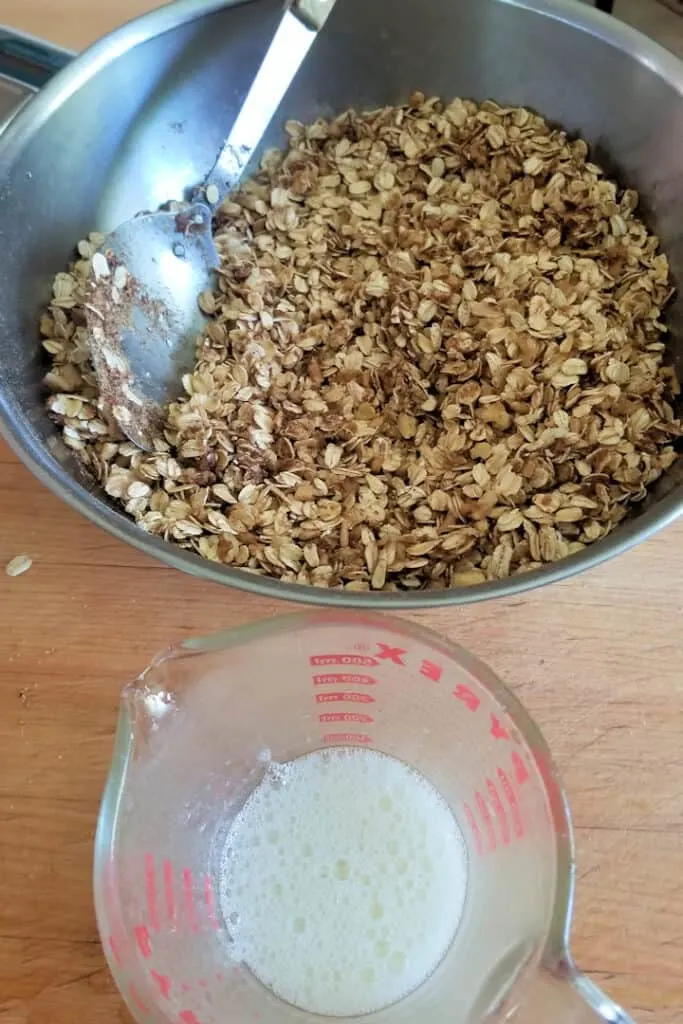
x: 143, y: 113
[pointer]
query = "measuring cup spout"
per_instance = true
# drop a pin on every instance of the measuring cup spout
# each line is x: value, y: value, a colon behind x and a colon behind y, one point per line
x: 561, y: 994
x: 149, y: 702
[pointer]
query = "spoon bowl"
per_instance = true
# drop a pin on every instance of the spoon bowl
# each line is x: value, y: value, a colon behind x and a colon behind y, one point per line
x: 143, y: 315
x: 142, y: 311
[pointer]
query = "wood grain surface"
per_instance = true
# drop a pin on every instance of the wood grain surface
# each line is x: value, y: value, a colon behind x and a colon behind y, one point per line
x: 596, y: 660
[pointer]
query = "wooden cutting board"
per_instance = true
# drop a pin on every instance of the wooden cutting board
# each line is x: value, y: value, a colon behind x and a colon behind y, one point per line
x: 596, y: 660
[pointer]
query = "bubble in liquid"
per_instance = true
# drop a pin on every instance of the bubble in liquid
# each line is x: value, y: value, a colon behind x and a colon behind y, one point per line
x: 278, y: 774
x: 368, y: 975
x: 385, y: 803
x: 342, y: 870
x: 299, y: 925
x: 377, y: 911
x: 397, y: 961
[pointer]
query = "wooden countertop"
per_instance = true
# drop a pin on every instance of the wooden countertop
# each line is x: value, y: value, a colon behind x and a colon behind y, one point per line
x: 602, y: 676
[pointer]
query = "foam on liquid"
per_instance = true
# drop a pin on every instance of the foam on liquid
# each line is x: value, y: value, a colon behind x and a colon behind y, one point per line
x: 343, y: 881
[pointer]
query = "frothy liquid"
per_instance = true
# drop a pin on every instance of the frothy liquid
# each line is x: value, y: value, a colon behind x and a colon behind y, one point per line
x: 343, y: 881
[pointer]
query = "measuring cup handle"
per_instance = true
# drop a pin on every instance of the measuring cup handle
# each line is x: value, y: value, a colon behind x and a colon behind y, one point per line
x: 562, y: 994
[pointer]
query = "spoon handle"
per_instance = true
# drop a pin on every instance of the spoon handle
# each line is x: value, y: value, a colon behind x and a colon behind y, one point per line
x: 298, y: 27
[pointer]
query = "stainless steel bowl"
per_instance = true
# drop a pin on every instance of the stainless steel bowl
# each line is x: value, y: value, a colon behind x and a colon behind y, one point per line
x: 127, y: 124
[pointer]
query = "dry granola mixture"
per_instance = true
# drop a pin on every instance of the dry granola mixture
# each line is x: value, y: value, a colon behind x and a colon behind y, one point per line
x: 434, y: 357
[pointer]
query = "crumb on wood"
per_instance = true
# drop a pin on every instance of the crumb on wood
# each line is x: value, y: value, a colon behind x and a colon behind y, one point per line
x: 18, y: 565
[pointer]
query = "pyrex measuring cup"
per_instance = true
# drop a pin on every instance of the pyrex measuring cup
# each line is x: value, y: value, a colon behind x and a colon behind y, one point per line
x: 196, y: 734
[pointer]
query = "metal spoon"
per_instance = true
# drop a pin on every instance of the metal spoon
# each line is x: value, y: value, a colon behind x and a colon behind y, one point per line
x: 141, y: 300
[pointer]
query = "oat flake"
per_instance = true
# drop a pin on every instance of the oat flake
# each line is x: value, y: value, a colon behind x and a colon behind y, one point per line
x: 19, y: 564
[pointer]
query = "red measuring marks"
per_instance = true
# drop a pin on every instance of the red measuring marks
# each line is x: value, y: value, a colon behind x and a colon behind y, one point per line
x: 346, y: 737
x: 498, y: 731
x: 499, y: 811
x: 493, y: 813
x: 210, y: 904
x: 188, y: 901
x: 163, y: 983
x: 188, y: 895
x: 169, y: 892
x: 176, y: 902
x: 343, y: 659
x: 185, y: 1016
x: 485, y: 816
x: 474, y: 828
x: 467, y: 697
x: 115, y: 950
x: 344, y: 679
x: 521, y: 771
x: 430, y: 670
x: 136, y: 999
x: 151, y: 892
x: 380, y: 651
x: 184, y: 905
x: 344, y: 697
x: 143, y: 940
x: 346, y: 716
x: 472, y: 702
x: 497, y: 815
x: 511, y: 798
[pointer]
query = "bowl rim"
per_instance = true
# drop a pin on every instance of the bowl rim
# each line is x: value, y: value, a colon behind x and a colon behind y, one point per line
x: 37, y: 456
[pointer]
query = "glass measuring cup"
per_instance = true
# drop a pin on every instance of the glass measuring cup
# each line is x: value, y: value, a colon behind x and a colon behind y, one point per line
x: 196, y: 733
